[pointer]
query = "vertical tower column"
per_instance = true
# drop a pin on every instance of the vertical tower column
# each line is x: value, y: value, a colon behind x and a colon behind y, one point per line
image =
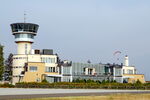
x: 126, y: 62
x: 24, y: 48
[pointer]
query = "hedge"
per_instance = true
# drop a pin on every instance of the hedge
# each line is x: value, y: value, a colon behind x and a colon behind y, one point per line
x: 69, y: 85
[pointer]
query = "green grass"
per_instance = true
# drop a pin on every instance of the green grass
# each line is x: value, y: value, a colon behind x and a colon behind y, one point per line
x: 103, y: 97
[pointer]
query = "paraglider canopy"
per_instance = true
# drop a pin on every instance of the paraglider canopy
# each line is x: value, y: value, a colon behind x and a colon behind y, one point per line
x: 116, y: 52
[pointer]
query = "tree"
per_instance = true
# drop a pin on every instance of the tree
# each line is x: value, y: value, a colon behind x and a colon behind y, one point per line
x: 1, y: 62
x: 8, y: 68
x: 138, y: 82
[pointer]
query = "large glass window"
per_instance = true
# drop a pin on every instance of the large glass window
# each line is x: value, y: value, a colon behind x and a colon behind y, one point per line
x: 66, y: 70
x: 24, y: 36
x: 17, y: 35
x: 33, y: 69
x: 118, y: 72
x: 48, y: 60
x: 26, y: 27
x: 20, y: 27
x: 30, y: 36
x: 66, y: 79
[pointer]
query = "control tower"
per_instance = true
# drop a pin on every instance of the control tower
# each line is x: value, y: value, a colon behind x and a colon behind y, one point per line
x: 24, y: 36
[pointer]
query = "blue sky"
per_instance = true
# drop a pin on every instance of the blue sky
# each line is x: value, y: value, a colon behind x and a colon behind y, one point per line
x: 79, y: 30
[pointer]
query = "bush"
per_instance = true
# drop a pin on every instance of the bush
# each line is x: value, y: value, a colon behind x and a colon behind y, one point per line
x: 6, y: 85
x: 44, y: 81
x: 138, y: 82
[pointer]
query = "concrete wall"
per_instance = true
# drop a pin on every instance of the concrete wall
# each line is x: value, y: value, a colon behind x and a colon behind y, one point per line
x: 18, y: 66
x: 24, y: 47
x: 127, y: 68
x: 19, y: 61
x: 36, y: 76
x: 134, y: 78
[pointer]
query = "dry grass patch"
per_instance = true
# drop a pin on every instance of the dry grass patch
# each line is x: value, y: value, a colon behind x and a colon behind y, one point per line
x: 104, y: 97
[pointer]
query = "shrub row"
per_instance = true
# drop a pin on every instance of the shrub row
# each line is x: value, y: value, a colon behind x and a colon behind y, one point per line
x: 69, y: 85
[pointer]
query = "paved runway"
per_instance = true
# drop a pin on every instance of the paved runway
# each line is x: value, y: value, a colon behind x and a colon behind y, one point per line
x: 20, y: 93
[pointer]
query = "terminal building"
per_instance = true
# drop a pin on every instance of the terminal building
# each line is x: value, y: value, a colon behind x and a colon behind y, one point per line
x: 34, y: 65
x: 120, y: 73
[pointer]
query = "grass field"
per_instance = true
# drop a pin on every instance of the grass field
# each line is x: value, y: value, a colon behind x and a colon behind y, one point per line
x: 104, y: 97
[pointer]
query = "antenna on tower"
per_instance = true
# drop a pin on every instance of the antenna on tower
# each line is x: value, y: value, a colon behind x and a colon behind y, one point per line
x: 25, y: 17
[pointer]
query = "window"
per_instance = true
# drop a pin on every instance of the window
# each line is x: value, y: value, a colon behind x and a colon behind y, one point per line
x: 118, y: 72
x: 53, y: 69
x: 123, y: 71
x: 20, y: 27
x: 17, y: 35
x: 33, y: 68
x: 50, y: 69
x: 66, y: 70
x: 25, y: 48
x: 130, y: 71
x: 84, y: 70
x: 30, y: 36
x: 48, y: 60
x: 66, y: 79
x: 90, y: 71
x: 26, y: 27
